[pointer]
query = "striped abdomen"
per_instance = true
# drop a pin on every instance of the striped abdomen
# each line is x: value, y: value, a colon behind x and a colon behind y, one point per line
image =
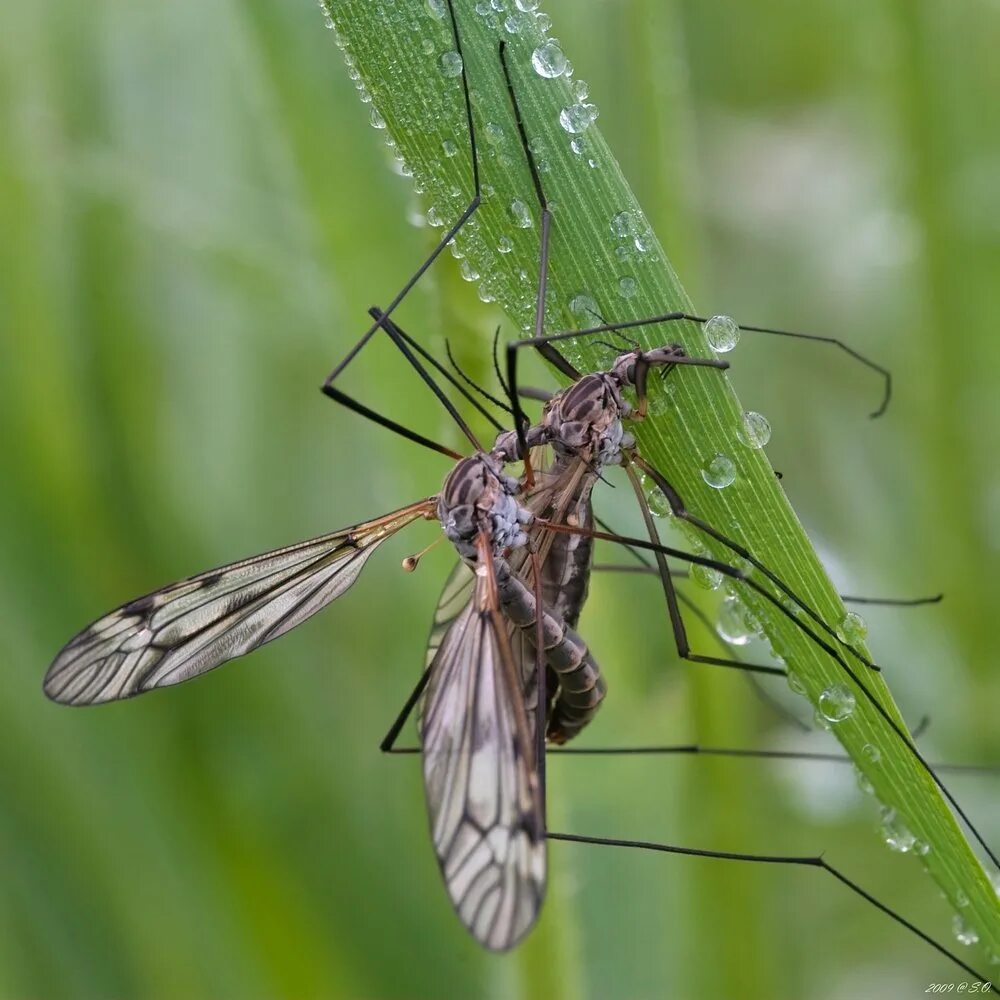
x: 581, y: 686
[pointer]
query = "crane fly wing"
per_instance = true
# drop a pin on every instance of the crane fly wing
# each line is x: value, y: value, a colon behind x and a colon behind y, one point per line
x: 481, y: 786
x: 455, y: 595
x: 194, y: 625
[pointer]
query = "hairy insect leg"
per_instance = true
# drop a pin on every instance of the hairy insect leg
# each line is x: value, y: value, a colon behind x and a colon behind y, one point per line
x: 787, y: 860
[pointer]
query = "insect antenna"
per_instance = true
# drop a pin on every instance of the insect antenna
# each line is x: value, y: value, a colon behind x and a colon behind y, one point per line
x: 478, y: 388
x: 496, y: 365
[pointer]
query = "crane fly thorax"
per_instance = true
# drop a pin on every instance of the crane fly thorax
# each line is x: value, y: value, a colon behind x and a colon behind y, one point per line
x: 586, y: 420
x: 478, y: 496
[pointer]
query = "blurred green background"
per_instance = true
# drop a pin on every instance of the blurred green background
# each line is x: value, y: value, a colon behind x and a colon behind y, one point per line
x: 195, y: 214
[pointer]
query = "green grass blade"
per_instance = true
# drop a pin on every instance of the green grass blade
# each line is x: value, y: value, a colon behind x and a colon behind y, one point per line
x: 604, y: 253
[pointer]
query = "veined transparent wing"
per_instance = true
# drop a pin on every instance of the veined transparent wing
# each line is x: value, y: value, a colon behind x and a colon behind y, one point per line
x: 479, y: 777
x: 189, y: 627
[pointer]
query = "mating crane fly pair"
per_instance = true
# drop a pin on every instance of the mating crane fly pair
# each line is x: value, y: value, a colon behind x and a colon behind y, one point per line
x: 506, y: 670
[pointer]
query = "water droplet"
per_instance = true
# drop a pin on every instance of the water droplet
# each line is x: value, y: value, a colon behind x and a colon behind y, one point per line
x: 505, y: 245
x: 578, y: 145
x: 543, y: 22
x: 548, y: 60
x: 437, y: 8
x: 921, y: 848
x: 493, y: 133
x: 894, y: 831
x: 706, y: 577
x: 519, y: 214
x: 964, y: 933
x: 580, y: 90
x: 434, y: 217
x: 719, y: 472
x: 852, y: 628
x: 451, y: 63
x: 734, y: 623
x: 621, y: 224
x: 872, y: 752
x: 376, y: 119
x: 627, y: 286
x: 657, y: 502
x: 961, y: 900
x: 428, y: 46
x: 795, y: 683
x: 468, y: 271
x: 513, y: 24
x: 722, y: 333
x: 754, y: 430
x: 837, y: 703
x: 526, y: 6
x: 449, y: 147
x: 577, y: 118
x: 863, y: 783
x: 584, y: 307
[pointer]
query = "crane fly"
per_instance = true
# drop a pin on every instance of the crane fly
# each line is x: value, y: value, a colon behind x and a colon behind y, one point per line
x: 487, y: 703
x: 819, y: 631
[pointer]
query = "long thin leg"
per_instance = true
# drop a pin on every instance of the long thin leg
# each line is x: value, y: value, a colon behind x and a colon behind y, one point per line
x: 672, y: 317
x: 760, y: 692
x: 546, y: 350
x: 679, y: 510
x: 403, y: 343
x: 738, y: 753
x: 388, y: 744
x: 451, y: 232
x: 697, y: 750
x: 680, y: 574
x: 803, y: 861
x: 726, y: 570
x: 758, y: 689
x: 673, y: 609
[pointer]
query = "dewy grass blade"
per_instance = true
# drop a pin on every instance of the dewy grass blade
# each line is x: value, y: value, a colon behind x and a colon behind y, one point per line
x: 605, y: 260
